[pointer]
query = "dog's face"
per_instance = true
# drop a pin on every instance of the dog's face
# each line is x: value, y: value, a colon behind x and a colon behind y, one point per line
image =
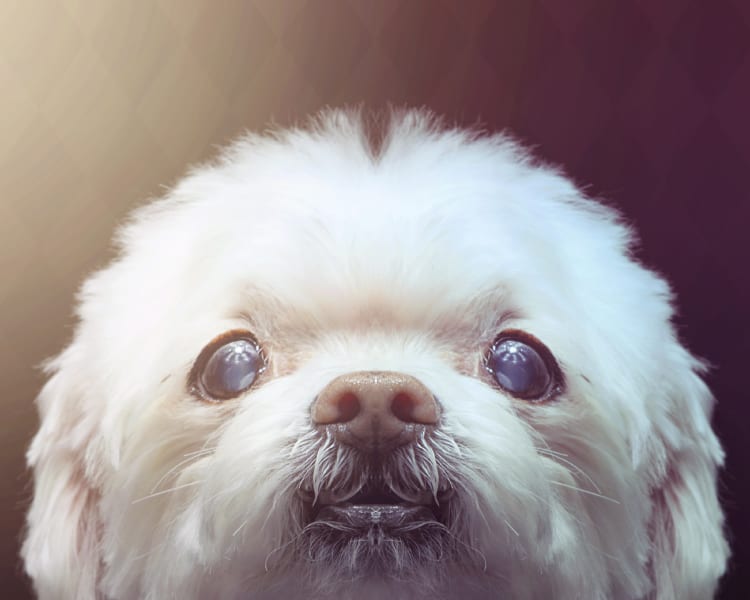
x: 321, y: 371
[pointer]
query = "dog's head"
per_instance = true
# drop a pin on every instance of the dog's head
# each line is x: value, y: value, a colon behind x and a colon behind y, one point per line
x: 320, y: 367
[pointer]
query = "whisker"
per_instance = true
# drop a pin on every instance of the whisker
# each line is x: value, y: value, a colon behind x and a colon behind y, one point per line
x: 279, y: 548
x: 511, y: 528
x: 560, y: 456
x: 201, y: 451
x: 469, y: 547
x: 191, y: 457
x: 584, y: 491
x: 236, y: 531
x: 173, y: 489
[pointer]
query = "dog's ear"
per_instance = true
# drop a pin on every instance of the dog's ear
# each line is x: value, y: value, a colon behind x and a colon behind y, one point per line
x: 60, y: 549
x: 689, y: 552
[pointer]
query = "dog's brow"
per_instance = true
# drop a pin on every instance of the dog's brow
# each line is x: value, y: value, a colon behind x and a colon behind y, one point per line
x: 491, y: 306
x: 488, y: 309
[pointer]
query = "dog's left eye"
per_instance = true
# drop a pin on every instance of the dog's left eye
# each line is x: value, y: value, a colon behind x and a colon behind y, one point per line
x: 228, y: 366
x: 522, y: 365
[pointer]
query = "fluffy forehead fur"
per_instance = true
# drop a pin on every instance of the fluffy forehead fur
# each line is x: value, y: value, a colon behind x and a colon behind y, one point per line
x: 411, y: 255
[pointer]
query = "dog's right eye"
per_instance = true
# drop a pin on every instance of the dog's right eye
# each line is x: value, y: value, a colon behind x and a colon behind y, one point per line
x: 227, y: 366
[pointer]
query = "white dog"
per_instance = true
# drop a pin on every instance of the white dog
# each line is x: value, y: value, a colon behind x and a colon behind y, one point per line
x: 331, y: 367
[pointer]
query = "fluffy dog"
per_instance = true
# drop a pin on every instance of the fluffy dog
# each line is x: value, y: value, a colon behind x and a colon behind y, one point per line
x: 334, y: 366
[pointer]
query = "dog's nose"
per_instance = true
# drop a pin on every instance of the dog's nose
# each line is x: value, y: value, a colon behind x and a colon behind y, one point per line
x: 375, y: 409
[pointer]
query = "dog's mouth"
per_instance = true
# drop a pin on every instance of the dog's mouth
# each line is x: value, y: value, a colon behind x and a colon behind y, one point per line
x: 376, y: 506
x: 379, y: 518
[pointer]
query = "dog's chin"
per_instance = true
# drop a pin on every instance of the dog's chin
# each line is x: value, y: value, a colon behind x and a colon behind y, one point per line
x: 377, y: 533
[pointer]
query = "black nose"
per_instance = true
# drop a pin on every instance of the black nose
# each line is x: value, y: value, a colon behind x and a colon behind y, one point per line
x: 375, y: 409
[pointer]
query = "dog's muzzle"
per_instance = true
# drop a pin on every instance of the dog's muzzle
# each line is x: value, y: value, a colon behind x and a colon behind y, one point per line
x: 376, y: 412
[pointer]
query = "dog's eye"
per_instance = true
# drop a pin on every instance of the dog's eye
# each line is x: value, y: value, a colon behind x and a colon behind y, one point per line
x: 228, y: 366
x: 522, y: 365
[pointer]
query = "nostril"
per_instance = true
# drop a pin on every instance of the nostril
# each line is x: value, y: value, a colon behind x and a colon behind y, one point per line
x: 338, y: 406
x: 402, y: 407
x: 348, y: 405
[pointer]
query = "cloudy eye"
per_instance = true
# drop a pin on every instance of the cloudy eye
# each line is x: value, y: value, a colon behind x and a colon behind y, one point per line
x: 522, y: 365
x: 228, y: 366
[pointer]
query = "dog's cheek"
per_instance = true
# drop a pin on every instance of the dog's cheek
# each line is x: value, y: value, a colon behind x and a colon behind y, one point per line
x: 205, y: 486
x: 688, y: 547
x: 245, y: 504
x: 605, y: 498
x: 503, y: 486
x: 61, y: 546
x: 160, y: 471
x: 595, y: 506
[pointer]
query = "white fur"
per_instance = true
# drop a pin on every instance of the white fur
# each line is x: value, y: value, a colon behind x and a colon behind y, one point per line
x: 339, y: 256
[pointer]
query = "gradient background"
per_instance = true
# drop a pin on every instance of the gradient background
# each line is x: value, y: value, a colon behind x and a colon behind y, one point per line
x: 101, y: 103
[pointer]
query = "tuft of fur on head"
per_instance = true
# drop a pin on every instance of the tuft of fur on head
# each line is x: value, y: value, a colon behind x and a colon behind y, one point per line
x: 409, y: 254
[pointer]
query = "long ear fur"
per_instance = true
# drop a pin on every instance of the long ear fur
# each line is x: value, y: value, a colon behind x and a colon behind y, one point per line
x: 689, y: 551
x: 60, y: 550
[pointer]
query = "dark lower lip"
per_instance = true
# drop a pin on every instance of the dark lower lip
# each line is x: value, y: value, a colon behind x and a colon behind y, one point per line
x: 385, y: 515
